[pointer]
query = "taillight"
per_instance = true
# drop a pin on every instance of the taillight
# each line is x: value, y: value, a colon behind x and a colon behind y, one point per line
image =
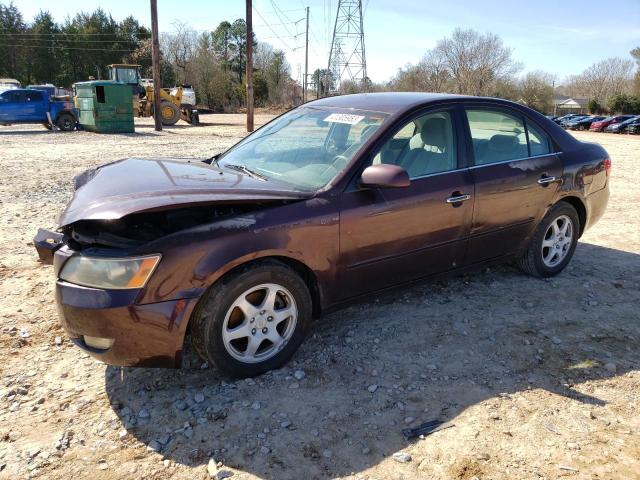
x: 607, y: 165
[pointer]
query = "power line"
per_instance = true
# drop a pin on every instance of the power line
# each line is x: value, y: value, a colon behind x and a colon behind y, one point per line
x: 272, y: 30
x: 70, y: 34
x: 59, y: 47
x: 76, y: 40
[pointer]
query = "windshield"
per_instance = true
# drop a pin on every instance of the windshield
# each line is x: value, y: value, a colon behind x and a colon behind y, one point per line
x: 127, y: 75
x: 306, y: 147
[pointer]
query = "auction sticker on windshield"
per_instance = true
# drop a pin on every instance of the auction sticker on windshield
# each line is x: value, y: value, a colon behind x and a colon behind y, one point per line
x: 344, y: 118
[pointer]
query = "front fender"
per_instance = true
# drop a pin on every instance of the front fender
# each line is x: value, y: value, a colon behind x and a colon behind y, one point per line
x: 192, y: 260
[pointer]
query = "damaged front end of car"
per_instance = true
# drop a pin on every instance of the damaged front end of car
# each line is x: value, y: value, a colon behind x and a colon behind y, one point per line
x: 126, y: 286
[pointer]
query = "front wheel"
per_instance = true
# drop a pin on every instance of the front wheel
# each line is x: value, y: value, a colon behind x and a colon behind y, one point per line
x: 253, y: 320
x: 553, y: 242
x: 169, y: 112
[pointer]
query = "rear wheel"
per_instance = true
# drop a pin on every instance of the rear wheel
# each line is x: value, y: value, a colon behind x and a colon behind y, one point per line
x: 169, y: 112
x: 253, y: 320
x: 66, y: 122
x: 553, y: 242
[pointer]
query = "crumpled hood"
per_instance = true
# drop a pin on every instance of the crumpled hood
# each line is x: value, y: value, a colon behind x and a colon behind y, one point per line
x: 136, y: 185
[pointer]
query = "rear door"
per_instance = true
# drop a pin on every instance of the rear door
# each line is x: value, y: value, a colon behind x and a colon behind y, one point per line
x: 392, y: 235
x: 516, y: 174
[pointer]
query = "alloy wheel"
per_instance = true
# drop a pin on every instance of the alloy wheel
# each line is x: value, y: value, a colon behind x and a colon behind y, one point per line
x: 557, y: 241
x: 259, y: 323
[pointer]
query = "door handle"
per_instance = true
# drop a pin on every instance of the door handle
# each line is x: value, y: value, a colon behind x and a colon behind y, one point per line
x: 544, y: 180
x: 458, y: 198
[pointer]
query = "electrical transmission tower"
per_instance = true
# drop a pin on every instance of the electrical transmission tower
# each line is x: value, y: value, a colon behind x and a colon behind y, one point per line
x: 347, y: 60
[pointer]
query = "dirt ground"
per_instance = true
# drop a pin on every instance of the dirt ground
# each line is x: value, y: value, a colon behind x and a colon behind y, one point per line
x: 541, y: 379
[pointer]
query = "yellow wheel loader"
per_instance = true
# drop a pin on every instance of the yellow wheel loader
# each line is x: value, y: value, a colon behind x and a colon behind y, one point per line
x: 173, y: 106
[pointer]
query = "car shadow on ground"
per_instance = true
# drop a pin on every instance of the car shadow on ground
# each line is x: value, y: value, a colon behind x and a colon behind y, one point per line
x: 425, y: 352
x: 29, y: 132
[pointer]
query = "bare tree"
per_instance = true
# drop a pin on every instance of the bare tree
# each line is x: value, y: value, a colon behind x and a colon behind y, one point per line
x: 467, y: 62
x: 536, y: 90
x: 475, y: 61
x: 180, y: 49
x: 603, y: 79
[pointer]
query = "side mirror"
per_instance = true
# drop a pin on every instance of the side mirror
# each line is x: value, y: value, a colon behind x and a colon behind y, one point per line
x: 384, y: 175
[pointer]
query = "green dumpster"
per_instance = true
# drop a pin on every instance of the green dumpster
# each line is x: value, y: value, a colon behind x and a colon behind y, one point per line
x: 104, y: 106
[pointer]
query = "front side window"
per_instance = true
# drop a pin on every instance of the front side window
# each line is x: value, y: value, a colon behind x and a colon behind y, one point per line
x: 14, y: 97
x: 496, y: 136
x: 305, y: 148
x: 424, y: 146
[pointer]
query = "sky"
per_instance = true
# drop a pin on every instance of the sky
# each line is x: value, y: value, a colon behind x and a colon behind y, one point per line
x: 562, y: 37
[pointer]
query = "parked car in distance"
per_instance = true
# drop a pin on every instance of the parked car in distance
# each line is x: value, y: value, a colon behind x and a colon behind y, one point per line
x: 565, y: 123
x: 35, y: 106
x: 633, y: 128
x: 622, y: 126
x: 602, y: 124
x: 188, y: 94
x: 569, y: 116
x: 583, y: 123
x: 329, y: 203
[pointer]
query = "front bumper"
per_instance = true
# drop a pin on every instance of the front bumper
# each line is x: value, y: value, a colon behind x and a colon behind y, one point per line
x: 149, y: 335
x: 144, y: 335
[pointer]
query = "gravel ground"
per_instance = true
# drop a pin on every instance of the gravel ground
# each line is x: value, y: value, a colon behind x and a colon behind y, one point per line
x: 541, y: 379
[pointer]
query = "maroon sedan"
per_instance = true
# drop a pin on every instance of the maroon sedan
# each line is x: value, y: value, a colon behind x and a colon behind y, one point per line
x: 602, y: 124
x: 333, y: 201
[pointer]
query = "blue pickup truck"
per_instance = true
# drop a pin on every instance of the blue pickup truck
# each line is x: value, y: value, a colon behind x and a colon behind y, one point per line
x: 31, y: 106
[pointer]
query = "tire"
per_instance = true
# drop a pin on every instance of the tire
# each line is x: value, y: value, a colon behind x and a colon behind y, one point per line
x: 66, y: 122
x: 543, y: 261
x: 218, y: 318
x: 582, y: 128
x: 170, y: 113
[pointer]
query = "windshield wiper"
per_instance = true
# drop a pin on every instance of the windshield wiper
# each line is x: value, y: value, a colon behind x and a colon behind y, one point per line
x: 247, y: 171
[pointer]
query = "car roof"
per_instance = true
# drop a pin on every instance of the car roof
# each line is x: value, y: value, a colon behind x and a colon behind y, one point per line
x: 395, y: 102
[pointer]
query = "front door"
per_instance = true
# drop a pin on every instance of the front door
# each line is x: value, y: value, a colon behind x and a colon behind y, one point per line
x: 392, y: 235
x: 11, y: 109
x: 516, y: 175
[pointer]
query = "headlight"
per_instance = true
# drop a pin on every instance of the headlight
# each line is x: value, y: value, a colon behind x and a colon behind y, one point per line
x: 109, y: 273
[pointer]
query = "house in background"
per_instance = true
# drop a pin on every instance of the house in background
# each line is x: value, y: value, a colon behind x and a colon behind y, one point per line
x: 563, y: 105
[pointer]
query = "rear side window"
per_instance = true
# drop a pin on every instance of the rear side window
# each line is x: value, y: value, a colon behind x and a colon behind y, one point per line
x: 34, y: 96
x: 538, y: 141
x: 496, y: 136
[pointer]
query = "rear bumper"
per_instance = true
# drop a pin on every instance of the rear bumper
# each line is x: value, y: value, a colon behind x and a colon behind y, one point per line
x: 149, y: 335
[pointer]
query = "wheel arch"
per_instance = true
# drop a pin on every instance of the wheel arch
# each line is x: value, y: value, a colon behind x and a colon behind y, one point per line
x: 307, y: 275
x: 581, y: 209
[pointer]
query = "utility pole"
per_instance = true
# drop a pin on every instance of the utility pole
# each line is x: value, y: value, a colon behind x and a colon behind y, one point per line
x: 306, y: 60
x: 347, y: 59
x: 249, y: 67
x: 155, y: 59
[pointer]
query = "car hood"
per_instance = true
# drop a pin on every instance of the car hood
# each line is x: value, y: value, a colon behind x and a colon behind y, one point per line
x: 135, y: 185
